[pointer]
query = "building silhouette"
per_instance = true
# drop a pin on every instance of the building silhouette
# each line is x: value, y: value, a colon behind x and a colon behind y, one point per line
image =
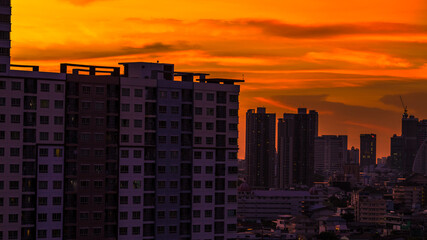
x: 296, y: 134
x: 353, y: 156
x: 91, y: 153
x: 330, y: 154
x: 368, y: 150
x: 260, y: 148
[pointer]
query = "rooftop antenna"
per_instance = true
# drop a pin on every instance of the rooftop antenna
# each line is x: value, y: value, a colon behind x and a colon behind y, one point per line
x: 405, y: 108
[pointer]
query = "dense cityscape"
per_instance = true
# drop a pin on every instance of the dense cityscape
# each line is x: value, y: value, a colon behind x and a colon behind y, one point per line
x: 142, y: 151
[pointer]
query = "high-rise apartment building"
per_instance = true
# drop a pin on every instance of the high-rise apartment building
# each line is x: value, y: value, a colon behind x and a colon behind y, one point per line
x: 260, y: 148
x: 330, y: 154
x: 368, y: 150
x: 104, y: 155
x: 296, y: 134
x: 353, y: 156
x: 396, y: 145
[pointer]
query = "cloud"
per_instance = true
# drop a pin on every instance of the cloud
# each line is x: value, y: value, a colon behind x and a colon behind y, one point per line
x: 415, y: 101
x: 277, y: 28
x: 82, y: 51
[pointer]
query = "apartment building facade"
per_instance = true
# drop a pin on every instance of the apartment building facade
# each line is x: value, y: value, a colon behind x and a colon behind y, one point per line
x: 139, y: 155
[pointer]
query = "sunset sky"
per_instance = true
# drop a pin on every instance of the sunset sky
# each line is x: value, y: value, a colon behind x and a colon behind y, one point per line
x: 349, y: 60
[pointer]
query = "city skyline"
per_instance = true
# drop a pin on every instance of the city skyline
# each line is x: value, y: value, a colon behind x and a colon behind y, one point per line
x: 349, y: 63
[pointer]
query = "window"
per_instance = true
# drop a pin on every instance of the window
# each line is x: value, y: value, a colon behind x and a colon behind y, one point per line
x: 123, y: 231
x: 174, y: 124
x: 15, y: 118
x: 41, y: 233
x: 175, y: 95
x: 175, y: 110
x: 233, y: 112
x: 173, y: 214
x: 42, y: 184
x: 44, y: 103
x: 137, y: 123
x: 44, y: 87
x: 162, y: 124
x: 137, y: 169
x: 210, y: 97
x: 56, y: 217
x: 57, y: 184
x: 99, y: 122
x: 57, y: 168
x: 2, y: 84
x: 42, y: 217
x: 138, y: 92
x: 14, y: 135
x: 13, y: 202
x: 86, y: 89
x: 44, y: 119
x: 209, y: 140
x: 136, y: 199
x: 16, y: 102
x: 43, y: 152
x: 124, y: 169
x: 196, y: 228
x: 2, y: 101
x: 56, y: 233
x: 85, y: 105
x: 124, y: 153
x: 43, y: 168
x: 99, y: 106
x: 198, y: 110
x: 197, y: 140
x: 124, y: 138
x: 232, y: 127
x: 43, y: 200
x: 58, y: 120
x: 2, y: 118
x: 137, y: 138
x: 124, y: 184
x: 57, y: 136
x: 137, y: 154
x: 138, y: 107
x: 126, y: 92
x: 136, y: 215
x: 56, y: 201
x: 59, y: 104
x: 14, y: 152
x: 210, y: 111
x: 125, y: 107
x: 59, y: 88
x: 162, y: 109
x: 198, y: 96
x: 16, y: 86
x: 172, y: 229
x: 99, y: 90
x: 198, y: 125
x: 84, y: 200
x: 136, y: 230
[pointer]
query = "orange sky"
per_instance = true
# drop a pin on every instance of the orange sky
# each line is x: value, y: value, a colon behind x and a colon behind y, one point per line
x: 350, y: 60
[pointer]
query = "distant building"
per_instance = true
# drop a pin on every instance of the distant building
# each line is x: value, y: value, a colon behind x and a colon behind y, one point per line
x: 369, y: 206
x: 260, y: 148
x: 409, y: 143
x: 409, y: 196
x: 421, y: 132
x: 353, y: 156
x: 396, y: 146
x: 330, y: 154
x: 262, y: 204
x: 5, y: 28
x: 368, y: 150
x: 296, y: 134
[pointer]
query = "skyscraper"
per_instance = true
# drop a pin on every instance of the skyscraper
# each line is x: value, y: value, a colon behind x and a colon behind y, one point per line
x: 353, y: 156
x: 330, y: 154
x: 296, y: 134
x: 368, y: 150
x: 396, y: 145
x: 409, y: 142
x: 260, y: 148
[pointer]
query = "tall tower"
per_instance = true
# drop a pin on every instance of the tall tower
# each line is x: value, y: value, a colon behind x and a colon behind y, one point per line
x: 368, y: 150
x: 5, y: 28
x: 330, y: 154
x: 260, y: 148
x: 296, y: 134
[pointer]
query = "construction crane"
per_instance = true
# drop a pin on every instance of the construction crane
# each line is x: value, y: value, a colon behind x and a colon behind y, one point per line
x: 405, y: 108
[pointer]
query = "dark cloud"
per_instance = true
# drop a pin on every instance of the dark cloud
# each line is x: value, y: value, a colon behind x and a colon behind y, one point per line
x: 281, y: 29
x: 55, y: 52
x: 415, y: 101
